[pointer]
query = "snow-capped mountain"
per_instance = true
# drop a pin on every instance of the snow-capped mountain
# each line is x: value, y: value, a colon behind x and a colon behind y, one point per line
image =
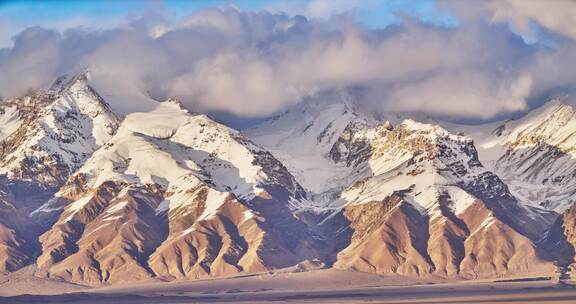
x: 46, y: 136
x: 535, y: 154
x: 91, y: 197
x: 412, y: 199
x: 52, y: 133
x: 173, y: 194
x: 429, y: 186
x: 303, y: 137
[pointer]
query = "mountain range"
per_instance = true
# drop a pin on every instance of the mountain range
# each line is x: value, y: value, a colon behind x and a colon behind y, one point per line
x: 93, y: 197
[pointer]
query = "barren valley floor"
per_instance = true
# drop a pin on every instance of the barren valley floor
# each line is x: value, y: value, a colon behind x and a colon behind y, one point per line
x: 319, y: 286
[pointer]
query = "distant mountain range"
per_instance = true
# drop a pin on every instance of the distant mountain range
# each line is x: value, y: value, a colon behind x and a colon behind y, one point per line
x: 91, y: 197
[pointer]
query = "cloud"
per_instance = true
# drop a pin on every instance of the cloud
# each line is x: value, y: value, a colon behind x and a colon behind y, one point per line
x: 320, y: 9
x: 253, y: 64
x: 467, y: 94
x: 557, y: 16
x: 33, y: 60
x: 549, y: 25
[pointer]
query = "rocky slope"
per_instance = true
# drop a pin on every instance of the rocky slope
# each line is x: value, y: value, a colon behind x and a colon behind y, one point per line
x: 430, y: 207
x: 169, y: 194
x: 174, y: 195
x: 534, y: 154
x: 560, y: 240
x: 57, y: 131
x: 45, y: 137
x: 303, y: 136
x: 419, y: 202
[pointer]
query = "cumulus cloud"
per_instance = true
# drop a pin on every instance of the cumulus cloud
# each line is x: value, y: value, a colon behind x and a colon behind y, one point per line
x: 320, y: 9
x: 558, y: 15
x: 33, y: 60
x: 254, y: 64
x: 463, y: 94
x: 550, y: 28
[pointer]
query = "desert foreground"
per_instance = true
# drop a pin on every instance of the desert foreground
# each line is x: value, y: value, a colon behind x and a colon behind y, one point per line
x: 318, y: 286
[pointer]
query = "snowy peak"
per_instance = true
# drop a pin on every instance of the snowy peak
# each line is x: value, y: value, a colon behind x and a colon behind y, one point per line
x: 534, y: 154
x: 314, y: 123
x: 44, y: 137
x: 58, y: 132
x: 225, y: 204
x: 385, y: 147
x: 426, y: 205
x: 64, y: 82
x: 311, y: 125
x: 80, y: 98
x: 303, y: 137
x: 553, y: 124
x: 161, y: 123
x: 415, y: 157
x: 324, y: 141
x: 171, y: 194
x: 174, y: 151
x: 429, y: 143
x: 10, y: 119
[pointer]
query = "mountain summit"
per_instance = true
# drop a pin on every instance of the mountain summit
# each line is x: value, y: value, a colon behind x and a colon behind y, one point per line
x: 91, y: 197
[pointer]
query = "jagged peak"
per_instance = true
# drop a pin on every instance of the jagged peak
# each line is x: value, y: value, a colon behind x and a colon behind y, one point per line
x: 560, y: 106
x: 388, y: 126
x: 321, y: 105
x: 67, y: 81
x: 553, y: 122
x: 175, y: 104
x: 432, y: 131
x: 74, y: 91
x: 553, y: 106
x: 167, y: 118
x: 59, y: 83
x: 557, y: 103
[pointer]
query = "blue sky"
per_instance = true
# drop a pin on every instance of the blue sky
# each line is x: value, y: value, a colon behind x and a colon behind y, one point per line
x: 62, y: 14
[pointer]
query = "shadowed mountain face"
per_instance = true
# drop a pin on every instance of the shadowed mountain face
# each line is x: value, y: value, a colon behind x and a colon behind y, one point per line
x: 93, y: 198
x: 560, y: 240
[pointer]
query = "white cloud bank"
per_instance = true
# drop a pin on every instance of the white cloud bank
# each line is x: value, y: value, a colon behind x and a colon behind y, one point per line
x: 254, y: 64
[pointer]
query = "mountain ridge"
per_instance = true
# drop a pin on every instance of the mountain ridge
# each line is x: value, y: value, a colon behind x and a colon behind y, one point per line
x: 170, y: 194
